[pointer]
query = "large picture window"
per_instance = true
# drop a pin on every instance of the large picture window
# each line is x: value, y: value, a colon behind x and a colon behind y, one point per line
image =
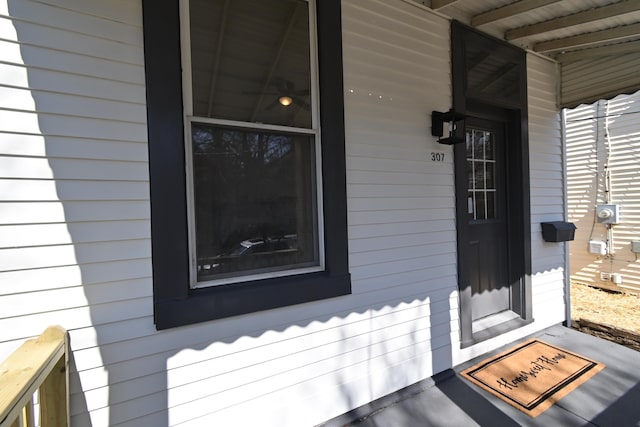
x: 246, y: 139
x: 253, y: 140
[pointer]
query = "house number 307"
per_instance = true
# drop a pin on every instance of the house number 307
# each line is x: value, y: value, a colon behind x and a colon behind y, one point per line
x: 437, y: 157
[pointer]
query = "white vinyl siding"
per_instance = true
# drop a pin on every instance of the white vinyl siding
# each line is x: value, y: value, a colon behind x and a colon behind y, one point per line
x: 73, y: 162
x: 74, y: 198
x: 547, y: 191
x: 75, y: 230
x: 401, y: 205
x: 604, y: 138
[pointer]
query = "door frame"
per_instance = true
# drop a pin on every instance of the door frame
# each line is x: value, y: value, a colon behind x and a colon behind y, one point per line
x: 514, y: 114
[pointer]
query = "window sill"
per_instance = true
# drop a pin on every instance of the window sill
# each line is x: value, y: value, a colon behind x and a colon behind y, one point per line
x: 218, y: 302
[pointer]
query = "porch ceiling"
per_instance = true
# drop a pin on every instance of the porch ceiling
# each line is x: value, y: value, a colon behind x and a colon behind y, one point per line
x: 576, y: 33
x: 564, y: 30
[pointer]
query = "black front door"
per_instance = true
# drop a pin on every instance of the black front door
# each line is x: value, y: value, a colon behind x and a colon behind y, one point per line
x: 486, y: 217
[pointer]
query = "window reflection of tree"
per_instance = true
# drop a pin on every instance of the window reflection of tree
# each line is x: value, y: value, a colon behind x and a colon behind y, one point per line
x: 252, y: 184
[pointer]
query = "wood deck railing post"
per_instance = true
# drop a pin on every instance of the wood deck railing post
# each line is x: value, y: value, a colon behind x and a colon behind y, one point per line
x: 54, y: 391
x: 53, y: 402
x: 38, y: 364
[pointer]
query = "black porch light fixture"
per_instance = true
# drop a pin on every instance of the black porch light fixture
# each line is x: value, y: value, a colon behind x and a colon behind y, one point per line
x: 437, y: 126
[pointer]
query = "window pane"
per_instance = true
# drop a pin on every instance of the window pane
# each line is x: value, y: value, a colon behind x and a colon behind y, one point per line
x: 471, y: 209
x: 491, y: 73
x: 469, y: 143
x: 490, y: 175
x: 488, y: 146
x: 249, y: 58
x: 480, y: 177
x: 478, y: 144
x: 480, y: 211
x: 255, y: 198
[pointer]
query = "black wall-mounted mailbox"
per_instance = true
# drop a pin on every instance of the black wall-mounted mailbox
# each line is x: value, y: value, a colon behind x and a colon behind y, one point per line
x: 558, y: 231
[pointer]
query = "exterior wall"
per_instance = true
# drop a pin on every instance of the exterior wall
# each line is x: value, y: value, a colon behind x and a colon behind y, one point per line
x: 75, y: 230
x: 547, y: 191
x: 603, y: 141
x: 401, y: 204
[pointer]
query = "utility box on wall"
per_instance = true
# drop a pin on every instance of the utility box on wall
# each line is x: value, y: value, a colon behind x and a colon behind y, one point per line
x: 597, y: 247
x: 608, y: 214
x: 558, y: 231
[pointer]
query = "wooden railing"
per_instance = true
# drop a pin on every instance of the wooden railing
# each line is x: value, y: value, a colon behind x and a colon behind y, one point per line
x: 40, y: 365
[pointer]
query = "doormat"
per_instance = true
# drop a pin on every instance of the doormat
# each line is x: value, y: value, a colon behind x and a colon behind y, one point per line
x: 533, y: 375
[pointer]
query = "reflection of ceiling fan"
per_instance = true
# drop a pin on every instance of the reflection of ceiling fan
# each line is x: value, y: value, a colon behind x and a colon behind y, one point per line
x: 286, y: 93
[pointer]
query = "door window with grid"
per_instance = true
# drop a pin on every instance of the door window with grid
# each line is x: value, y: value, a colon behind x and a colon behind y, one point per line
x: 481, y: 169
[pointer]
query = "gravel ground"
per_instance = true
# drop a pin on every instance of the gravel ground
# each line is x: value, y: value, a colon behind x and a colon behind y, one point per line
x: 609, y: 308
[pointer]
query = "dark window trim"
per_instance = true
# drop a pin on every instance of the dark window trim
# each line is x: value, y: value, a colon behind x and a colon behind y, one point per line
x: 515, y: 116
x: 175, y: 304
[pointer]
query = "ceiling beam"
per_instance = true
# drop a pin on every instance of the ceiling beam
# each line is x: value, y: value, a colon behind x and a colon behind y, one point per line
x: 508, y: 11
x: 589, y: 38
x: 598, y: 52
x: 584, y: 17
x: 439, y: 4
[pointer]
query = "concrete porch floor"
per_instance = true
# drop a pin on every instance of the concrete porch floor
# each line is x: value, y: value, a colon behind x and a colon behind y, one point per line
x: 609, y: 399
